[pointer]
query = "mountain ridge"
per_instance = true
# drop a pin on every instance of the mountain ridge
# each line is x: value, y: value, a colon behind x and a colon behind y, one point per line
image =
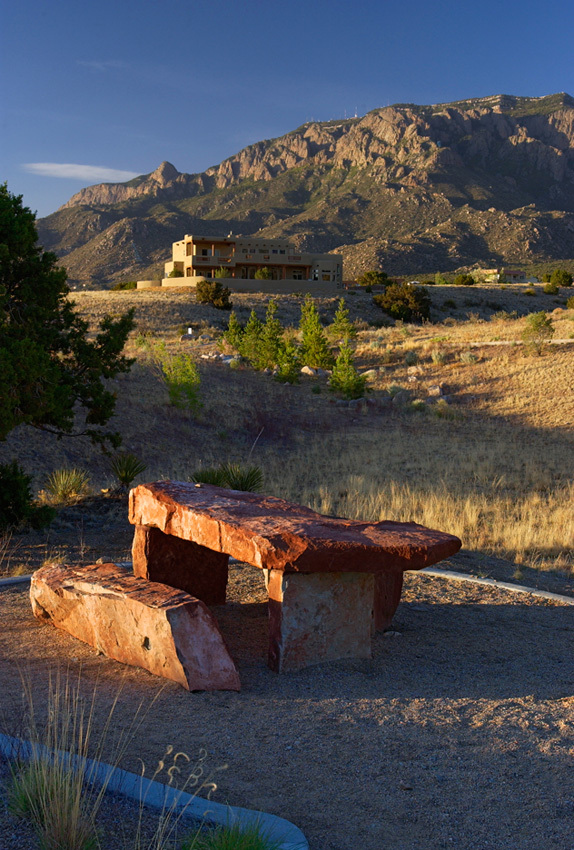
x: 408, y: 187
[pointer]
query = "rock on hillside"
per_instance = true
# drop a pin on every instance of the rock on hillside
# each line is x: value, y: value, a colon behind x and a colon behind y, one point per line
x: 413, y: 188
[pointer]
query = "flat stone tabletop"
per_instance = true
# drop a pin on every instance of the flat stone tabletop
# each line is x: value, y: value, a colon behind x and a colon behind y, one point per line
x: 271, y: 533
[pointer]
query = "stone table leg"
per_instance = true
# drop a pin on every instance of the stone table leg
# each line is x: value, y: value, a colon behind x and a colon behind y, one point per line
x: 317, y: 617
x: 179, y: 563
x: 388, y: 588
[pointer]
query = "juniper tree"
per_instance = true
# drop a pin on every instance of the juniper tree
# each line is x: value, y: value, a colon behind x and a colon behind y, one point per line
x: 52, y: 374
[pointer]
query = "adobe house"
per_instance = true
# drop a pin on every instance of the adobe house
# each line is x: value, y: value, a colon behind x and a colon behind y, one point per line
x: 236, y: 259
x: 505, y: 275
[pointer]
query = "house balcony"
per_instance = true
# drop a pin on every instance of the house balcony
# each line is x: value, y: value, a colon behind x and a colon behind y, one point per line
x: 198, y: 260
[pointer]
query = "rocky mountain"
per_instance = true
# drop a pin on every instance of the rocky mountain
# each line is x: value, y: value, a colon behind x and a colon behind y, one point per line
x: 408, y: 188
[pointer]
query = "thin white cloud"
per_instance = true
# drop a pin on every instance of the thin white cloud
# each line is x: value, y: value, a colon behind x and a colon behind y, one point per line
x: 88, y: 173
x: 102, y: 66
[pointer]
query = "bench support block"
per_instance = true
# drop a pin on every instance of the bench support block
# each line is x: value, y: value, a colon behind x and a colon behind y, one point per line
x: 317, y: 617
x: 180, y: 563
x: 388, y: 588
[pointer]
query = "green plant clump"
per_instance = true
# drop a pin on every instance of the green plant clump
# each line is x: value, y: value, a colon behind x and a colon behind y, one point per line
x: 551, y: 288
x: 373, y: 278
x: 464, y: 280
x: 570, y: 303
x: 405, y: 301
x: 538, y: 331
x: 214, y: 293
x: 231, y: 475
x: 126, y: 466
x: 232, y: 837
x: 16, y: 505
x: 123, y: 285
x: 561, y: 277
x: 67, y: 485
x: 263, y: 274
x: 344, y: 378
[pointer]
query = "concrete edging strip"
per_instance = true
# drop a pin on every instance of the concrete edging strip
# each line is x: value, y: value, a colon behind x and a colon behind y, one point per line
x: 155, y: 795
x: 506, y: 585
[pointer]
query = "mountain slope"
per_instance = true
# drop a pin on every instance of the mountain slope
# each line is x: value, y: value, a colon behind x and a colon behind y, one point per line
x: 412, y: 188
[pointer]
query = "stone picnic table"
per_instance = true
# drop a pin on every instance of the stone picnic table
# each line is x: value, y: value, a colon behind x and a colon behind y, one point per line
x: 331, y: 581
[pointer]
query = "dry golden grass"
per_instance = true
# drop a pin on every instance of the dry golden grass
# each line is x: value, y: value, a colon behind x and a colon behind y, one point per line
x: 498, y: 473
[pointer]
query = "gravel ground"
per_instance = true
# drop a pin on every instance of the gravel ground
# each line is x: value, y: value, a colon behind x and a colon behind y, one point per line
x: 459, y: 732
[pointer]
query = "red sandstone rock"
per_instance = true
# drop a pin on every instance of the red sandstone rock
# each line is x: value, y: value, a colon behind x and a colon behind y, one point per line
x: 318, y: 617
x: 137, y: 622
x: 273, y: 534
x: 161, y: 557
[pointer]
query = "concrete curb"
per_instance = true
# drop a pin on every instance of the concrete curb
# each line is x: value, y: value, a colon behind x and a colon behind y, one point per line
x: 7, y: 582
x: 506, y: 585
x: 155, y: 795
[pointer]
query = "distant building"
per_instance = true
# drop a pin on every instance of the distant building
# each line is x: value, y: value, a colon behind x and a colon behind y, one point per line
x: 238, y: 258
x: 504, y: 275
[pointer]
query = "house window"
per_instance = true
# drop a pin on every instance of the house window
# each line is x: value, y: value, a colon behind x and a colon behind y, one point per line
x: 297, y: 274
x: 282, y: 251
x: 326, y: 276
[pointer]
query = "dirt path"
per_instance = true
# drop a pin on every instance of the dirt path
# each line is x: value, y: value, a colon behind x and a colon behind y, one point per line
x: 458, y: 733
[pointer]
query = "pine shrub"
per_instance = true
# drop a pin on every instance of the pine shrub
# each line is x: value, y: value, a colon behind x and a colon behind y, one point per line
x: 344, y: 378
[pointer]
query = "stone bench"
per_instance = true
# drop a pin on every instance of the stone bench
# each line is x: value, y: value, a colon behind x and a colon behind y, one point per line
x: 137, y: 622
x: 330, y: 580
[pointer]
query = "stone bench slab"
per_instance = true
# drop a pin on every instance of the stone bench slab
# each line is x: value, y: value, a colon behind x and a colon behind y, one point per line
x: 145, y: 624
x: 273, y: 534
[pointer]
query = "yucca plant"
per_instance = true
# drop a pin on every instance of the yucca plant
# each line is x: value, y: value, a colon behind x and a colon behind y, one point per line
x: 231, y: 475
x: 67, y: 485
x: 126, y: 466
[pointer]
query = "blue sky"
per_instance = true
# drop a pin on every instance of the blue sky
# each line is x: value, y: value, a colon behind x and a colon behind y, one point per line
x: 98, y: 92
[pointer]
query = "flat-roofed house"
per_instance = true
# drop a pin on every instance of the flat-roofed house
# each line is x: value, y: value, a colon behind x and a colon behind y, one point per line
x: 238, y: 258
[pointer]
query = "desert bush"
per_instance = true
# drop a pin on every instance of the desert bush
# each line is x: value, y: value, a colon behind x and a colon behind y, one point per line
x: 231, y: 475
x: 405, y: 301
x: 126, y: 466
x: 468, y: 358
x: 344, y: 378
x: 222, y: 273
x: 464, y: 280
x: 180, y: 375
x: 263, y: 274
x: 123, y: 285
x: 561, y: 277
x: 16, y: 504
x: 449, y: 304
x: 551, y: 288
x: 411, y: 358
x: 443, y: 410
x: 570, y: 303
x: 175, y: 273
x: 440, y: 280
x: 504, y: 315
x: 539, y: 329
x: 438, y: 357
x: 529, y: 291
x: 373, y: 278
x: 214, y: 293
x: 182, y: 380
x: 67, y: 485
